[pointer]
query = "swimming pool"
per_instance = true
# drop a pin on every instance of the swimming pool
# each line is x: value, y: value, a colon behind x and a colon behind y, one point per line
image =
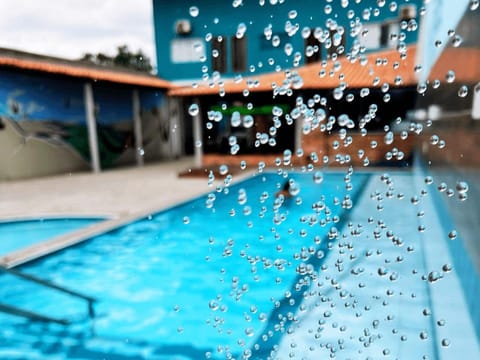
x: 16, y: 235
x: 236, y: 274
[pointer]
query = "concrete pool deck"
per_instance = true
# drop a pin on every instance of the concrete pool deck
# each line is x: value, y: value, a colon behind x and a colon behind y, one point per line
x: 120, y: 195
x: 113, y: 193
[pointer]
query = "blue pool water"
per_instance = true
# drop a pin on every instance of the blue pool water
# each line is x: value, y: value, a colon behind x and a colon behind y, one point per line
x: 354, y: 266
x: 203, y: 277
x: 15, y: 235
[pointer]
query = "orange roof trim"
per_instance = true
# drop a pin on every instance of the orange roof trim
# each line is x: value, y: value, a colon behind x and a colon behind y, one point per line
x: 370, y: 70
x: 86, y: 72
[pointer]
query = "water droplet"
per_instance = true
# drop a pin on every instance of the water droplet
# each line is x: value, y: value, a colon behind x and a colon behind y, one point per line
x: 193, y: 110
x: 382, y: 271
x: 463, y: 91
x: 318, y: 177
x: 186, y: 220
x: 275, y: 41
x: 421, y: 88
x: 292, y: 14
x: 194, y: 11
x: 236, y: 119
x: 364, y: 92
x: 423, y: 335
x: 223, y: 169
x: 445, y: 342
x: 461, y: 187
x: 457, y: 41
x: 249, y: 331
x: 248, y: 121
x: 447, y: 268
x: 450, y: 76
x: 452, y: 235
x: 337, y: 93
x: 434, y: 276
x: 213, y: 305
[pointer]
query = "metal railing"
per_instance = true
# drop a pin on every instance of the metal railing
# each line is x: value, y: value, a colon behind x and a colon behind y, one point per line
x: 38, y: 317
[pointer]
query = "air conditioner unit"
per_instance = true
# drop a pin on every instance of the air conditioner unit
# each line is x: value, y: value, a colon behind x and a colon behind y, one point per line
x: 183, y: 27
x: 408, y: 12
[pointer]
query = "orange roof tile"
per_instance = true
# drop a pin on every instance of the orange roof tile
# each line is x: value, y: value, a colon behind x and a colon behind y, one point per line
x: 371, y: 70
x: 74, y: 69
x: 465, y: 63
x: 357, y: 72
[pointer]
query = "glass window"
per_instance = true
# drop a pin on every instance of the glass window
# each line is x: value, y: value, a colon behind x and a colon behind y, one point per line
x: 335, y: 44
x: 218, y: 54
x: 187, y: 50
x: 239, y: 54
x: 313, y: 50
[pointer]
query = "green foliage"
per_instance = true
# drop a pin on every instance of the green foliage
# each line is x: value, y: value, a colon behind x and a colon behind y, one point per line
x: 124, y: 58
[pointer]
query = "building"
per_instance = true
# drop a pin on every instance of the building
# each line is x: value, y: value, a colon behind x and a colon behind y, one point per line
x: 254, y: 37
x: 59, y: 116
x: 270, y: 60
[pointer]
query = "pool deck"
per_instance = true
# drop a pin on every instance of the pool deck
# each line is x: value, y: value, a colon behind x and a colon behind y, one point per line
x: 120, y: 195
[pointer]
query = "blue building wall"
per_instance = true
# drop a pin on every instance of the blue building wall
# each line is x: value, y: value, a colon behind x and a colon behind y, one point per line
x: 54, y: 106
x: 38, y: 97
x: 221, y: 18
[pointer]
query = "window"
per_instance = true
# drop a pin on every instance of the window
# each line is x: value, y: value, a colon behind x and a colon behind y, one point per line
x: 379, y: 35
x: 239, y: 54
x: 313, y: 50
x: 337, y: 43
x: 187, y: 50
x: 218, y: 54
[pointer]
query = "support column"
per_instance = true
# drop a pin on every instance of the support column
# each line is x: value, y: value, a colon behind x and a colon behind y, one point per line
x: 91, y: 127
x: 137, y: 127
x: 298, y: 134
x: 197, y: 136
x: 476, y: 103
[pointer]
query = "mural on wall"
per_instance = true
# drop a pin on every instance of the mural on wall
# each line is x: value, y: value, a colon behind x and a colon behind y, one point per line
x: 53, y: 108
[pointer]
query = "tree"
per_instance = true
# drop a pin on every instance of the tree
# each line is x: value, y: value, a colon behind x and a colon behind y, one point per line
x: 124, y: 58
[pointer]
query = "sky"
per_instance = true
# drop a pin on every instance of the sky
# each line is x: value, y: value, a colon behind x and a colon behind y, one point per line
x: 70, y: 28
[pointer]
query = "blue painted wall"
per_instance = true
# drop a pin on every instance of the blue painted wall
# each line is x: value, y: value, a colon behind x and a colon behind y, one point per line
x: 222, y: 18
x: 56, y: 105
x: 36, y: 97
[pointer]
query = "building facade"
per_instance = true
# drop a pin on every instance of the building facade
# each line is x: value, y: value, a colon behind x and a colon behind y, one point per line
x: 246, y: 58
x: 246, y: 37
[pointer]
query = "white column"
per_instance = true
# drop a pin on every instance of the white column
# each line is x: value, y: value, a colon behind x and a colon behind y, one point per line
x: 137, y: 127
x: 298, y: 133
x: 197, y: 136
x: 91, y: 127
x: 476, y: 102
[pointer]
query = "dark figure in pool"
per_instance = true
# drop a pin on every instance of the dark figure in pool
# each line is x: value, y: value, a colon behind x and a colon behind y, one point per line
x: 285, y: 191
